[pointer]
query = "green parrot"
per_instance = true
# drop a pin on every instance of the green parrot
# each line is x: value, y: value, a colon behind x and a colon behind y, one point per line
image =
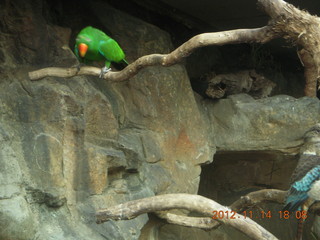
x: 94, y: 45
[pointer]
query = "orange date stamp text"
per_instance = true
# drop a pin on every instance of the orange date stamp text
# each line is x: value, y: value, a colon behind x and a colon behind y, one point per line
x: 229, y: 214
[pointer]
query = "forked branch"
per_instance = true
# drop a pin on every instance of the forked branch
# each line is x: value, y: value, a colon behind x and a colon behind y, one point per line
x: 297, y: 26
x: 250, y: 200
x: 190, y: 202
x: 260, y: 35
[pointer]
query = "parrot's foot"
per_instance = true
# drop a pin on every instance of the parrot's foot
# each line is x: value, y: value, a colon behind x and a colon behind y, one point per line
x: 104, y: 70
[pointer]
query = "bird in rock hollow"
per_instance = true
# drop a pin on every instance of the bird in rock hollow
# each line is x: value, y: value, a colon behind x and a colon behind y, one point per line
x: 305, y: 180
x: 94, y: 45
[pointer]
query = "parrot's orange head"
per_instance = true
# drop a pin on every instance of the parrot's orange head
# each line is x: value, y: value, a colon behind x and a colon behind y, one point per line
x: 83, y: 48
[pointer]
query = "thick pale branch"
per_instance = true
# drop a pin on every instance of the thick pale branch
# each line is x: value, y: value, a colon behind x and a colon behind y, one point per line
x: 63, y: 72
x: 206, y: 39
x: 256, y: 35
x: 195, y: 203
x: 250, y: 200
x: 198, y: 222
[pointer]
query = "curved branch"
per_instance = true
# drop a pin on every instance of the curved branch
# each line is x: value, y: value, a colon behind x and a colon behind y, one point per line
x: 287, y: 21
x: 258, y: 35
x: 248, y: 201
x: 62, y: 72
x: 196, y: 203
x: 197, y: 222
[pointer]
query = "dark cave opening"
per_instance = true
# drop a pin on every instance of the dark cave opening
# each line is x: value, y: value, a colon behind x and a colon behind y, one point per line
x: 233, y: 174
x: 279, y: 64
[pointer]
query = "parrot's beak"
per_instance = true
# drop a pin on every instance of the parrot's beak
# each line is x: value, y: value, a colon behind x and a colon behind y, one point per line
x: 82, y: 47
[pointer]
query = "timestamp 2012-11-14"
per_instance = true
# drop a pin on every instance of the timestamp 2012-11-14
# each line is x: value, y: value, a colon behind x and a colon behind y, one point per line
x: 229, y: 214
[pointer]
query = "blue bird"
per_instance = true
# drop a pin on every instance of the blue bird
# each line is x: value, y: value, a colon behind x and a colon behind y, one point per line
x: 305, y: 180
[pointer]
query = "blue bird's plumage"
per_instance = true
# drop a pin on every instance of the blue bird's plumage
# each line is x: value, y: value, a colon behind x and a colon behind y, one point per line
x: 305, y: 180
x: 298, y: 192
x: 305, y: 183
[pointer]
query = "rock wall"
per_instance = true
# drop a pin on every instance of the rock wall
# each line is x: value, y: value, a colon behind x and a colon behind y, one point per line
x: 275, y: 123
x: 71, y: 146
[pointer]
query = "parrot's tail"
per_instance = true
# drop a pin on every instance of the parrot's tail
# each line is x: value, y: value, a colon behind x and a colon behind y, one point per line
x: 120, y: 65
x: 125, y: 62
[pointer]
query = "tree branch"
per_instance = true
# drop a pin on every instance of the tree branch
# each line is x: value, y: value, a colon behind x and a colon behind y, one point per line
x: 197, y: 222
x: 255, y: 198
x: 302, y: 29
x: 287, y: 21
x: 248, y: 201
x: 195, y: 203
x: 258, y: 35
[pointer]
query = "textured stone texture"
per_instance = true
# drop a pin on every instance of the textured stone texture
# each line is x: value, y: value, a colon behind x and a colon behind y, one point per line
x: 71, y: 146
x: 257, y: 142
x: 277, y: 123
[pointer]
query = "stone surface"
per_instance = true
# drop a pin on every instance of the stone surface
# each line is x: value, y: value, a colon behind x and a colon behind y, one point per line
x: 71, y: 146
x: 277, y: 123
x: 16, y: 219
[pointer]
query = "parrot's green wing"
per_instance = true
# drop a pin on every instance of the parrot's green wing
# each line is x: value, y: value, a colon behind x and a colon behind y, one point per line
x: 111, y: 50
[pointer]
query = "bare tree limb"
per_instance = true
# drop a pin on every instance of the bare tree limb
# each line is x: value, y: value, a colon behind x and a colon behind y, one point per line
x: 197, y: 222
x: 62, y: 72
x: 260, y: 35
x: 287, y: 21
x: 195, y: 203
x: 250, y: 200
